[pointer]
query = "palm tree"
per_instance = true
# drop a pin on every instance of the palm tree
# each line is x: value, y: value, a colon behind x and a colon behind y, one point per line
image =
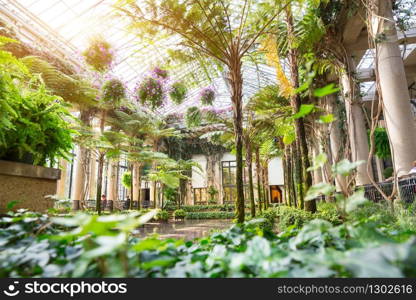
x: 223, y: 30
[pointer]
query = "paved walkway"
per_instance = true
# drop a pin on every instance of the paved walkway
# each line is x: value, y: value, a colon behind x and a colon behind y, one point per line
x: 188, y: 229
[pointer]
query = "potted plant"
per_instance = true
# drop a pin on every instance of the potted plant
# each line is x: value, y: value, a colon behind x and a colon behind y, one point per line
x: 150, y: 91
x: 178, y: 92
x: 207, y: 96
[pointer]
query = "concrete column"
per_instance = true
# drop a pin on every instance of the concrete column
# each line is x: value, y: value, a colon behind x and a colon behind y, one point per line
x: 317, y: 174
x: 63, y: 165
x: 93, y: 178
x: 337, y: 143
x: 394, y: 90
x: 136, y: 182
x: 357, y: 130
x: 112, y: 182
x: 79, y: 177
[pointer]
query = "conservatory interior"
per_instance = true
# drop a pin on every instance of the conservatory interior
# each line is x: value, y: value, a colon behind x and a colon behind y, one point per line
x: 128, y: 118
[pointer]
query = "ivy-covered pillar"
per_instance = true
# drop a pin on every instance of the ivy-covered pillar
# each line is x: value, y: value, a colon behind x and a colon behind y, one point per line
x: 336, y: 140
x: 136, y: 184
x: 357, y: 129
x: 112, y: 184
x: 93, y: 178
x: 80, y: 164
x: 393, y: 87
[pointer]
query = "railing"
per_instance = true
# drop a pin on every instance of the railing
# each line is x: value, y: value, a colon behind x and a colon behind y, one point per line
x: 406, y: 188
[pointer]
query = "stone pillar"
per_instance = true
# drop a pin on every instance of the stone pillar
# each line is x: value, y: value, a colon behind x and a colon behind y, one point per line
x: 112, y: 183
x: 317, y: 174
x: 79, y: 177
x: 63, y: 166
x: 93, y: 178
x: 337, y: 143
x: 357, y: 130
x: 394, y: 91
x: 136, y: 183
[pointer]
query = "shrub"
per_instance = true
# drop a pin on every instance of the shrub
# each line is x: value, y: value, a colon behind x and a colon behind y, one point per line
x: 162, y: 215
x: 179, y: 214
x: 210, y: 215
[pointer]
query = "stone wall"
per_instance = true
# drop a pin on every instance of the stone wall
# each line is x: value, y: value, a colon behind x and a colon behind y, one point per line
x: 28, y: 185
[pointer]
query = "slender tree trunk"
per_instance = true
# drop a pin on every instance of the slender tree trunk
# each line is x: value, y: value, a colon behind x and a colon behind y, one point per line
x: 249, y: 160
x: 295, y: 102
x: 101, y: 157
x: 236, y: 81
x: 99, y: 182
x: 258, y: 171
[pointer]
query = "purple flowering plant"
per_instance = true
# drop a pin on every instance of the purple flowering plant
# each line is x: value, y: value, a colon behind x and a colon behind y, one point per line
x: 207, y: 96
x: 151, y: 91
x: 159, y: 73
x: 99, y: 55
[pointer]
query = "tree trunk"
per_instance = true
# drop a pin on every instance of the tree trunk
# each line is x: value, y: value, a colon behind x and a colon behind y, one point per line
x: 295, y: 102
x: 258, y: 172
x: 236, y: 81
x: 249, y: 161
x: 99, y: 182
x: 78, y: 194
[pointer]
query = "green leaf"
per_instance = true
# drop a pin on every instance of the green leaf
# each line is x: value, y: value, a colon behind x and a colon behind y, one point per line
x: 318, y: 162
x: 355, y: 200
x: 326, y: 90
x: 344, y: 167
x: 329, y: 118
x: 304, y: 110
x: 319, y: 189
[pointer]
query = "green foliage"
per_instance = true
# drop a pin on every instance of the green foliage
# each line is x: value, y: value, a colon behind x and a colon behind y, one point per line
x: 178, y: 92
x: 34, y: 124
x: 388, y: 172
x: 99, y: 55
x: 211, y: 207
x: 33, y: 245
x: 381, y: 143
x: 162, y: 215
x: 37, y: 125
x: 179, y: 214
x: 210, y: 215
x: 193, y: 117
x: 126, y: 179
x: 212, y: 192
x: 113, y: 91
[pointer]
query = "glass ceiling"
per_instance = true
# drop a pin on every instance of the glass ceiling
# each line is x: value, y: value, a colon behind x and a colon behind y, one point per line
x: 70, y: 24
x: 66, y: 27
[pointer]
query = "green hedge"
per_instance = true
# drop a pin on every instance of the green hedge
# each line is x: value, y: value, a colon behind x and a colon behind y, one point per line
x: 219, y: 207
x: 210, y: 215
x: 287, y: 216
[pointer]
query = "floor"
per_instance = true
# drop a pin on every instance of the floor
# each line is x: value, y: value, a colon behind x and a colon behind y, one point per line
x: 187, y: 230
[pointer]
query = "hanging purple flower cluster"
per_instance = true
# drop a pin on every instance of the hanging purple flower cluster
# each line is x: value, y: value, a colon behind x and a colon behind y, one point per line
x: 207, y: 96
x: 151, y: 91
x: 158, y: 72
x: 99, y: 55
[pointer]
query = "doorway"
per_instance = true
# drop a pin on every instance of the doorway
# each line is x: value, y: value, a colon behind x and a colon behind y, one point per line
x: 276, y: 194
